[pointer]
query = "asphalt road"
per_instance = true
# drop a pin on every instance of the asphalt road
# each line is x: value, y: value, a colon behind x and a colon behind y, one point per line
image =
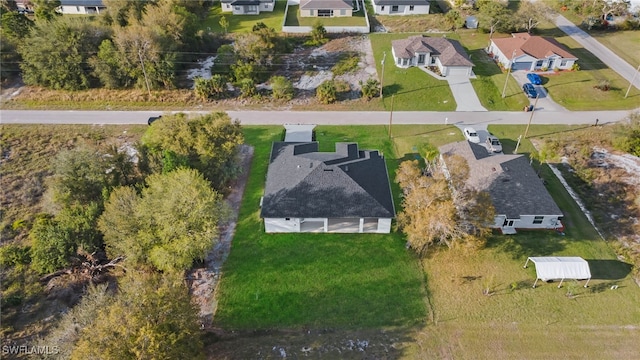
x: 605, y: 55
x: 322, y: 117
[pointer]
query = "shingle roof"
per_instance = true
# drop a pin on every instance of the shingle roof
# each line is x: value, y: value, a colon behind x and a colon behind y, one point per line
x: 246, y: 2
x: 401, y: 2
x: 325, y: 4
x: 81, y: 3
x: 451, y: 53
x: 302, y: 182
x: 537, y: 46
x: 514, y: 186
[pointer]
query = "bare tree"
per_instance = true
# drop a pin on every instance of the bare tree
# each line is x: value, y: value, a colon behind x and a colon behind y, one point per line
x: 531, y: 14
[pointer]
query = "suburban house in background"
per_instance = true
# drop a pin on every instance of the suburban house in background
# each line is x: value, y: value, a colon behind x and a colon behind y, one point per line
x: 518, y: 194
x: 531, y: 53
x: 445, y: 54
x: 326, y: 8
x: 346, y: 191
x: 83, y: 7
x: 400, y: 7
x: 247, y: 7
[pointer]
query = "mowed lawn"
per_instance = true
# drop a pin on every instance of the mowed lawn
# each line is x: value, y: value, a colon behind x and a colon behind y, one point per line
x: 412, y: 88
x: 244, y: 23
x: 316, y: 280
x: 294, y: 19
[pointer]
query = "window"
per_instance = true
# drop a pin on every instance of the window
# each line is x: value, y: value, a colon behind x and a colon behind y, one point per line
x: 238, y: 8
x: 287, y: 219
x: 410, y: 7
x: 343, y: 12
x: 311, y: 12
x: 394, y: 8
x: 433, y: 61
x: 382, y: 8
x: 325, y: 13
x: 563, y: 63
x: 538, y: 219
x: 540, y: 62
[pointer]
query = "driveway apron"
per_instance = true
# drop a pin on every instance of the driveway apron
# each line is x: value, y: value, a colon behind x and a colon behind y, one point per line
x: 545, y: 103
x: 465, y: 95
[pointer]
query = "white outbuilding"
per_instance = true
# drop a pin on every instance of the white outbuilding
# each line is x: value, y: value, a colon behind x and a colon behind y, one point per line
x: 560, y: 268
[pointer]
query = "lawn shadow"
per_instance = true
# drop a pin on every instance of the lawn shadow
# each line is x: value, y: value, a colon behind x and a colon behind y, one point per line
x: 561, y: 131
x: 421, y: 89
x: 527, y: 243
x: 608, y: 269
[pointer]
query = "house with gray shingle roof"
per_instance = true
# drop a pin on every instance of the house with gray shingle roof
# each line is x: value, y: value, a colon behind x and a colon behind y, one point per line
x: 346, y: 191
x: 445, y: 54
x: 247, y: 7
x: 400, y: 7
x: 84, y: 7
x: 530, y: 53
x: 518, y: 194
x: 326, y: 8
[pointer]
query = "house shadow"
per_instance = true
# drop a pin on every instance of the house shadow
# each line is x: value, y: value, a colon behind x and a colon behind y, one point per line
x: 608, y: 269
x: 525, y: 243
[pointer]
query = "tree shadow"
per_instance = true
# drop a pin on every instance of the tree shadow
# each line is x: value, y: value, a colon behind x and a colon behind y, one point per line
x: 608, y: 269
x: 525, y: 244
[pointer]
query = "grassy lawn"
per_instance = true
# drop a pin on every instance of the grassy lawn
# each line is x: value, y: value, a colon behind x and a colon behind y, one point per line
x: 294, y: 19
x: 244, y: 23
x: 317, y: 280
x: 414, y: 90
x: 625, y: 44
x: 575, y: 89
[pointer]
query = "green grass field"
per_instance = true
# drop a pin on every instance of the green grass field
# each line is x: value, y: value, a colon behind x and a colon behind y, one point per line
x: 244, y: 23
x: 413, y: 89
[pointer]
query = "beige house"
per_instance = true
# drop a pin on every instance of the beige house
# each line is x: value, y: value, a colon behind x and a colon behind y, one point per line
x: 445, y: 54
x: 326, y: 8
x: 523, y: 51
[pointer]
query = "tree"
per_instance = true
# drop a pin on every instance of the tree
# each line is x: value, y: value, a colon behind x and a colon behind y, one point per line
x: 530, y: 14
x: 15, y: 26
x: 318, y: 34
x: 247, y: 88
x: 494, y: 16
x: 225, y: 57
x: 213, y: 88
x: 173, y: 223
x: 46, y: 10
x: 209, y: 143
x: 439, y: 210
x: 245, y: 70
x: 79, y: 176
x: 152, y: 317
x: 281, y: 88
x: 51, y: 246
x: 326, y: 93
x: 454, y: 19
x: 260, y: 47
x: 224, y: 24
x: 370, y: 89
x: 56, y: 53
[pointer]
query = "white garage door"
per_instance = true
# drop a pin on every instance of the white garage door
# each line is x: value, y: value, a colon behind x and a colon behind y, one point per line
x: 457, y: 71
x: 522, y: 66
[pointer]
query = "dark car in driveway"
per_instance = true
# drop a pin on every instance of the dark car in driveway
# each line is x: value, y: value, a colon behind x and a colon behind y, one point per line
x: 529, y: 90
x: 534, y: 78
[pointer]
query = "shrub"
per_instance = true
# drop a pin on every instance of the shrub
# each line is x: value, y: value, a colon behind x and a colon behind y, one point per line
x: 247, y: 88
x: 326, y: 93
x: 281, y: 88
x: 12, y: 255
x: 575, y: 67
x: 370, y: 89
x: 603, y: 85
x: 347, y: 65
x: 318, y: 35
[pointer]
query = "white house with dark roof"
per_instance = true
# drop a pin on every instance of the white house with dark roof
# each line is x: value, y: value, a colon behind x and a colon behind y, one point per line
x: 81, y: 7
x: 326, y: 8
x: 400, y: 7
x: 346, y: 191
x: 445, y: 54
x: 530, y: 53
x: 519, y: 196
x: 247, y: 7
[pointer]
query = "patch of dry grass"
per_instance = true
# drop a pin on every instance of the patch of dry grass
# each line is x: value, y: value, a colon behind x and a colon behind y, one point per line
x: 414, y: 23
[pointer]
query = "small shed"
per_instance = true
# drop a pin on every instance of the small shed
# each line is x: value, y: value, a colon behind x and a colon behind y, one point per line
x: 560, y: 268
x: 471, y: 22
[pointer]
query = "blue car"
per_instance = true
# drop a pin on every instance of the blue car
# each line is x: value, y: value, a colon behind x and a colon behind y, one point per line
x: 530, y: 91
x: 534, y: 79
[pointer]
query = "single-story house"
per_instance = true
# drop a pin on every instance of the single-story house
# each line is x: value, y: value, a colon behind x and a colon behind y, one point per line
x: 326, y: 8
x: 400, y: 7
x: 84, y: 7
x: 247, y: 7
x: 531, y: 53
x: 519, y: 196
x: 346, y: 191
x: 445, y: 54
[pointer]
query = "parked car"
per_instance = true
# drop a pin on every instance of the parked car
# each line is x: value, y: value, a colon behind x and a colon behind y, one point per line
x: 153, y: 118
x: 534, y: 78
x: 529, y: 90
x: 493, y: 144
x: 471, y: 134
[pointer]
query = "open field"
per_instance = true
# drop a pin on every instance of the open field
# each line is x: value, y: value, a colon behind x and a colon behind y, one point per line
x: 413, y: 88
x: 244, y: 23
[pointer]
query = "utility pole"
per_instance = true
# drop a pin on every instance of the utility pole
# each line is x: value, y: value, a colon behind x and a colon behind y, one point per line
x: 384, y: 56
x: 632, y: 80
x: 518, y: 144
x: 508, y: 73
x: 391, y: 115
x: 526, y: 131
x: 144, y: 71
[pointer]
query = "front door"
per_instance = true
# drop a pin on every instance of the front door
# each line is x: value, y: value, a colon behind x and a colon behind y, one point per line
x: 507, y: 223
x: 421, y: 59
x: 552, y: 62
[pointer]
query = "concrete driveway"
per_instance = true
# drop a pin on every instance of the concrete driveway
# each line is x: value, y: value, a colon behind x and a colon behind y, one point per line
x: 545, y: 103
x: 465, y: 95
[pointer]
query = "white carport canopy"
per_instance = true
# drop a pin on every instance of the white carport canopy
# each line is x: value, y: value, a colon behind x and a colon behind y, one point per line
x: 554, y: 267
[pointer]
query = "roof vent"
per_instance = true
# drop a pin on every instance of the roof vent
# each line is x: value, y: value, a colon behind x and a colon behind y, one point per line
x: 346, y: 168
x: 310, y: 165
x: 328, y: 170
